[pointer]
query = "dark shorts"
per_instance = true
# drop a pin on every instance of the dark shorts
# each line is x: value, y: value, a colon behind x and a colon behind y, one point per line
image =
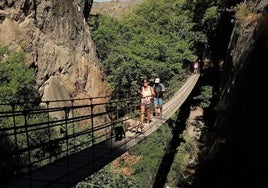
x: 150, y: 105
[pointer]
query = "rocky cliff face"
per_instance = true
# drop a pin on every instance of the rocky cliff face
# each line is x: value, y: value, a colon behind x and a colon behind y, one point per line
x: 238, y: 154
x: 56, y: 38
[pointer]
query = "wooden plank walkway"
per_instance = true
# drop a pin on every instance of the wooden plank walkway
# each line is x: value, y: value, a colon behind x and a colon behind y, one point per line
x: 67, y: 172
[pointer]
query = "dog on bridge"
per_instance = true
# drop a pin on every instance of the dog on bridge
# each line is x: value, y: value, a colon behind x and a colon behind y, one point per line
x: 119, y: 132
x: 133, y: 125
x: 128, y: 124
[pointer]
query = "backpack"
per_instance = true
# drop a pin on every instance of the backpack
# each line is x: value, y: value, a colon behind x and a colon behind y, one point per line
x: 158, y: 89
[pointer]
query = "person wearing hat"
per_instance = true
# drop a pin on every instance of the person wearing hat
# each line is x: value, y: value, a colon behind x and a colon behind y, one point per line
x: 159, y: 88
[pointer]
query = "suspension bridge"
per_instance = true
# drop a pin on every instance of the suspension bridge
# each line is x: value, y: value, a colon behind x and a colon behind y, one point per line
x: 66, y: 150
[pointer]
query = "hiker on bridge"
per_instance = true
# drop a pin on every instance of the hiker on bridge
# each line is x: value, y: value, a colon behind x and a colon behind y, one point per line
x: 147, y: 95
x: 196, y: 66
x: 159, y: 88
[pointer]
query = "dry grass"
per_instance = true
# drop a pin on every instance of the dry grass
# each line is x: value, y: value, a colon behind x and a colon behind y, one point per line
x: 245, y: 13
x: 122, y: 164
x: 115, y: 9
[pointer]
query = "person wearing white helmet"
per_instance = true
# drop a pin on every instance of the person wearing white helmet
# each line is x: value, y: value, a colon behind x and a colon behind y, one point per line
x: 159, y: 89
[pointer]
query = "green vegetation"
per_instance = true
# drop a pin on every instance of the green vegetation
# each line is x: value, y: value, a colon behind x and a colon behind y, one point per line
x: 17, y: 86
x: 151, y: 151
x: 136, y: 169
x: 103, y: 177
x: 17, y: 81
x: 139, y: 166
x: 156, y: 40
x: 205, y: 96
x: 210, y: 18
x: 159, y: 39
x: 186, y: 150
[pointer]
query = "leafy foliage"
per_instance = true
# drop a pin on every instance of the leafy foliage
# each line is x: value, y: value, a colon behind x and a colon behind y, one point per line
x: 205, y: 96
x: 151, y: 151
x: 17, y: 82
x: 17, y: 87
x: 141, y: 170
x: 103, y: 178
x: 156, y: 40
x: 210, y: 18
x: 176, y: 175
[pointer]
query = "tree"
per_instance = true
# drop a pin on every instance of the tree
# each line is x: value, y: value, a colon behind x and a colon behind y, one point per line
x: 155, y: 40
x: 17, y: 81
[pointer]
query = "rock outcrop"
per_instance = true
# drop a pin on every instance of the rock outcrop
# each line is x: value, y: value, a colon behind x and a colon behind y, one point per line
x: 237, y: 151
x: 56, y: 38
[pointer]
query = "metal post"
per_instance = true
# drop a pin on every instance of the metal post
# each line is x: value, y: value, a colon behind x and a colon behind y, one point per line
x: 48, y: 127
x: 25, y: 113
x: 72, y: 109
x: 92, y: 133
x: 15, y: 135
x: 48, y: 120
x: 67, y: 110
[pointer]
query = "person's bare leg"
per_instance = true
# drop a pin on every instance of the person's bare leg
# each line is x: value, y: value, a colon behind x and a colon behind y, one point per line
x: 160, y: 109
x: 142, y: 113
x: 148, y: 115
x: 156, y: 110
